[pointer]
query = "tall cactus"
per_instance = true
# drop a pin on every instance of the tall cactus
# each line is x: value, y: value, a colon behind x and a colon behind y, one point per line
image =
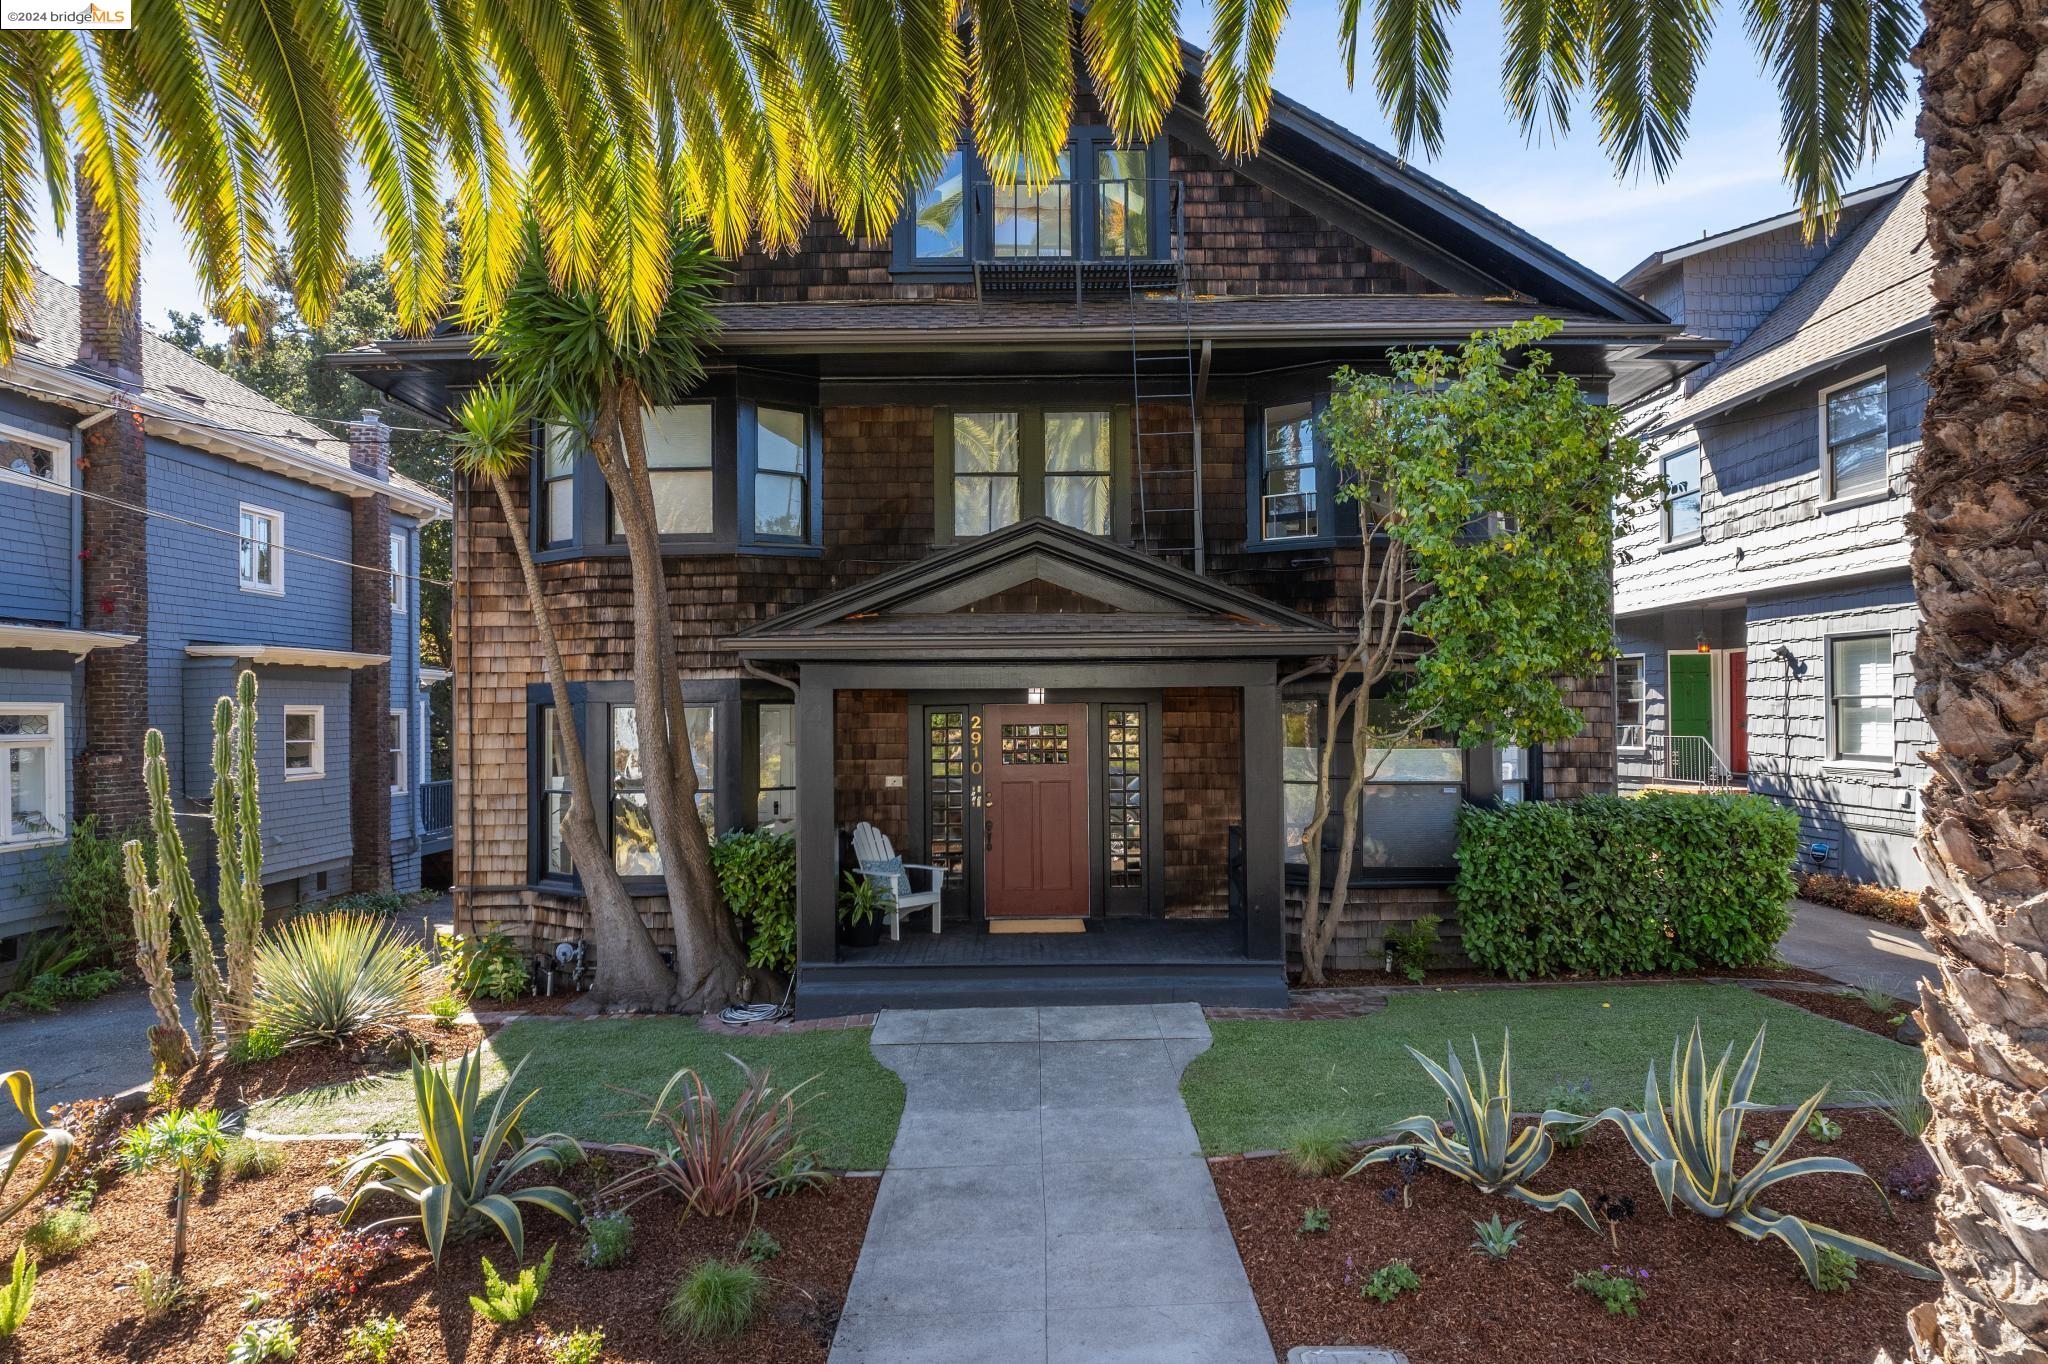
x: 169, y: 1046
x: 174, y: 884
x: 238, y: 845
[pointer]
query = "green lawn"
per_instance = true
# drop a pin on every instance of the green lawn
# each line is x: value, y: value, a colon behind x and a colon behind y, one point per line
x: 850, y: 1114
x: 1261, y: 1082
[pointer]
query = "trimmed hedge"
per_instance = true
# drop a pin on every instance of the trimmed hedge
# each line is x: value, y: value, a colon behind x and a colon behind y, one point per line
x: 1608, y: 884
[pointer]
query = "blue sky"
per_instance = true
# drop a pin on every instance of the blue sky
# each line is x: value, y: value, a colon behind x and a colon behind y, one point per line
x: 1565, y: 193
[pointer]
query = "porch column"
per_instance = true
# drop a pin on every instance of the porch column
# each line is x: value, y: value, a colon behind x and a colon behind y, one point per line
x: 817, y: 831
x: 1259, y: 726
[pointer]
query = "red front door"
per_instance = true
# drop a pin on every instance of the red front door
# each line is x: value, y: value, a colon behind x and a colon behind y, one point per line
x: 1036, y: 817
x: 1738, y: 710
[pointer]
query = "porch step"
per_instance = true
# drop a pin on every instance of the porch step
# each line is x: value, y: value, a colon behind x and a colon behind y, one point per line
x: 846, y: 988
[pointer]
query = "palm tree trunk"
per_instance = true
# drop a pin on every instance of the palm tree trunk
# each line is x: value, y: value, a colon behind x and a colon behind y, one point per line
x: 710, y: 962
x: 630, y: 972
x: 1980, y: 499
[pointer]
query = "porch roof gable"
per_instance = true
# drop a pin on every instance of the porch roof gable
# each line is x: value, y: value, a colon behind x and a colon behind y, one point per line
x: 1153, y: 608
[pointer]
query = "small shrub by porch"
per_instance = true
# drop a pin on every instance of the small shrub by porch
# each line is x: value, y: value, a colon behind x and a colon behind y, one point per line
x: 1607, y: 885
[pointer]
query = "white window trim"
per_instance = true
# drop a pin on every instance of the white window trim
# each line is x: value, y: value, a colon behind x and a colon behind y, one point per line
x: 1836, y: 759
x: 1827, y: 461
x: 1664, y: 500
x: 1642, y: 662
x: 319, y: 768
x: 58, y: 794
x: 1314, y: 464
x: 403, y: 752
x: 59, y: 480
x: 276, y: 519
x: 399, y: 591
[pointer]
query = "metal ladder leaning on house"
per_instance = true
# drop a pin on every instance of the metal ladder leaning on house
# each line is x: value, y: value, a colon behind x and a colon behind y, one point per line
x: 1168, y: 375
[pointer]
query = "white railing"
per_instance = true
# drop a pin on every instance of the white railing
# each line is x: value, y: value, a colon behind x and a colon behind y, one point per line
x: 1672, y: 759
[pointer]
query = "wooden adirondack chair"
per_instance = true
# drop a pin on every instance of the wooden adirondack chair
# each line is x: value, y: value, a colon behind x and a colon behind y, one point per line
x: 879, y: 863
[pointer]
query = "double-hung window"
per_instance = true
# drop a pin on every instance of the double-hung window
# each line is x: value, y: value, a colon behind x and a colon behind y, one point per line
x: 1855, y: 428
x: 678, y: 469
x: 1001, y: 467
x: 32, y: 756
x: 1628, y: 701
x: 1289, y: 500
x: 305, y: 742
x: 261, y: 565
x: 1298, y: 767
x: 554, y: 796
x: 782, y: 473
x: 401, y: 571
x: 398, y: 772
x: 634, y: 851
x: 1860, y: 698
x: 1682, y: 496
x: 559, y: 445
x: 775, y: 767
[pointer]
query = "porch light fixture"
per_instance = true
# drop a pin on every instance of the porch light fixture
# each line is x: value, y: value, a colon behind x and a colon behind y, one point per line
x: 1034, y: 696
x: 1700, y: 645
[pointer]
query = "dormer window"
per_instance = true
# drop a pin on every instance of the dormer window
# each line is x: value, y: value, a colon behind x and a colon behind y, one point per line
x: 938, y: 224
x: 1103, y: 201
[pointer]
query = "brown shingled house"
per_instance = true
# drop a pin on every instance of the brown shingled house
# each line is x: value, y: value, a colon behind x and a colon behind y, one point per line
x: 1011, y: 535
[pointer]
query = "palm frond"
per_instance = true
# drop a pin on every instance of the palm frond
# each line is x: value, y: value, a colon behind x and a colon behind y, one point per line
x: 1022, y: 78
x: 1645, y: 66
x: 1237, y: 78
x: 31, y: 150
x: 1543, y: 61
x: 465, y: 99
x: 1134, y: 58
x: 906, y: 58
x: 1412, y: 68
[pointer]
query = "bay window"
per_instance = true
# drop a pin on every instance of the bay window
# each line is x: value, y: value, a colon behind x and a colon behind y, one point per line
x: 33, y: 756
x: 1289, y: 500
x: 678, y: 469
x: 782, y: 462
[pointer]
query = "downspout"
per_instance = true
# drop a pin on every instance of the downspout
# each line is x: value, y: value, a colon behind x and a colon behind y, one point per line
x: 1201, y: 395
x: 78, y: 430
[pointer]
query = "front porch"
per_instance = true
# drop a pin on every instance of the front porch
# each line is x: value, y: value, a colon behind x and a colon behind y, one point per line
x: 1077, y: 735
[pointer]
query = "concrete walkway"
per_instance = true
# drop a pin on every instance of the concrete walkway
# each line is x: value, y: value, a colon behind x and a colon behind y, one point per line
x: 1857, y: 950
x: 1047, y: 1201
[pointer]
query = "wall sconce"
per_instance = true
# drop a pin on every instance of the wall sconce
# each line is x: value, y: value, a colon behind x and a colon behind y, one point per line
x: 1792, y: 662
x: 1034, y: 696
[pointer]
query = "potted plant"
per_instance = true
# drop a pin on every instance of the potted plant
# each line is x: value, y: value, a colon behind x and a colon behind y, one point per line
x: 860, y: 912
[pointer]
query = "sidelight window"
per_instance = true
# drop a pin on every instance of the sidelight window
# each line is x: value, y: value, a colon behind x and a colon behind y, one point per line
x: 946, y: 745
x: 1124, y: 796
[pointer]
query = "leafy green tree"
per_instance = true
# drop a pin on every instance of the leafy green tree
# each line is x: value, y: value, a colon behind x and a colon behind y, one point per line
x: 1484, y: 482
x: 186, y: 1141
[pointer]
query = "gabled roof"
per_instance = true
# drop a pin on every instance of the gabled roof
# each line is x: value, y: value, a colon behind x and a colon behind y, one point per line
x: 1139, y: 607
x: 1872, y: 289
x: 194, y: 401
x: 1777, y: 222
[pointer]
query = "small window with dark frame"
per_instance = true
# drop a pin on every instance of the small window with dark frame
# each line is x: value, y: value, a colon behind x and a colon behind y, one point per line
x: 1299, y: 765
x: 781, y: 473
x: 775, y: 767
x: 558, y: 484
x: 1077, y: 469
x: 554, y: 803
x: 1123, y: 220
x: 1124, y: 796
x: 1682, y: 495
x: 946, y: 745
x: 939, y: 213
x: 1288, y: 497
x: 1857, y: 438
x: 1628, y: 701
x: 986, y: 475
x: 1860, y: 689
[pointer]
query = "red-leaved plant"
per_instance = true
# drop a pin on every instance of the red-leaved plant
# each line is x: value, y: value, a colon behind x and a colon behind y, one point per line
x: 718, y: 1160
x: 330, y: 1266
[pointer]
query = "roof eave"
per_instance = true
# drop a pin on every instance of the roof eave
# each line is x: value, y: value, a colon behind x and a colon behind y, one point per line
x: 1775, y: 385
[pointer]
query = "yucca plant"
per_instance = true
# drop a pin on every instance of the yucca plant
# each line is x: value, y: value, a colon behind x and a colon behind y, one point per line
x: 55, y: 1144
x: 329, y: 978
x: 1692, y: 1147
x: 453, y: 1175
x: 717, y: 1160
x: 1482, y: 1150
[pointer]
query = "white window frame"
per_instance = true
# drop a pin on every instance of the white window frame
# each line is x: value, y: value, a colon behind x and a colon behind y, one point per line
x: 399, y: 560
x: 275, y: 587
x: 1835, y: 756
x: 319, y: 768
x: 59, y: 451
x: 1642, y: 662
x: 56, y: 793
x: 1827, y: 454
x: 1313, y: 462
x: 399, y: 753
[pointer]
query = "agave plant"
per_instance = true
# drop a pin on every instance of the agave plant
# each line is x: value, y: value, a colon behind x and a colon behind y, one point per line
x: 55, y: 1143
x: 717, y: 1159
x: 328, y: 978
x: 1481, y: 1149
x: 453, y: 1175
x: 1693, y: 1145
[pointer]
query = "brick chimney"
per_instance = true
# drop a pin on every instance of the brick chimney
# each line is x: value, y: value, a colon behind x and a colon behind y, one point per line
x: 369, y: 689
x: 114, y: 557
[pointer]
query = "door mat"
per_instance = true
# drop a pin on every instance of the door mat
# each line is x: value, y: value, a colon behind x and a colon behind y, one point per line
x: 1038, y: 925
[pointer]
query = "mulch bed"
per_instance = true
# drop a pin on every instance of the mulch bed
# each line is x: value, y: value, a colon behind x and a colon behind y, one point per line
x: 1471, y: 976
x: 1713, y: 1294
x: 84, y: 1307
x: 1843, y: 1008
x: 229, y: 1085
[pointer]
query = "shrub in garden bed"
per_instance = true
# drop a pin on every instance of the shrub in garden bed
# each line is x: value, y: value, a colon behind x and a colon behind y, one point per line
x: 1896, y: 906
x: 1608, y: 885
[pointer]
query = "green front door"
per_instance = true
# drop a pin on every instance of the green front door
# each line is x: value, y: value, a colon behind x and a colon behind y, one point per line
x: 1691, y: 714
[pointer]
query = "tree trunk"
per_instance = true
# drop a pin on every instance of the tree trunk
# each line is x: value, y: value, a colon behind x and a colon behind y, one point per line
x: 184, y: 1202
x: 1980, y: 567
x: 710, y: 961
x: 1334, y: 710
x: 630, y: 972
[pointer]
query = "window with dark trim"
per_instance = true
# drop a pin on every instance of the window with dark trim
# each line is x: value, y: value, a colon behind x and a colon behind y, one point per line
x: 1298, y: 762
x: 1105, y: 200
x: 558, y: 485
x: 996, y: 468
x: 775, y: 766
x: 679, y: 470
x: 1289, y: 507
x: 1856, y: 429
x: 938, y: 213
x: 782, y: 477
x: 1682, y: 496
x: 1408, y: 814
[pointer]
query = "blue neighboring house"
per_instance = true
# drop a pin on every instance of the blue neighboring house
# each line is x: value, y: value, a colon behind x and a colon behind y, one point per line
x: 165, y: 527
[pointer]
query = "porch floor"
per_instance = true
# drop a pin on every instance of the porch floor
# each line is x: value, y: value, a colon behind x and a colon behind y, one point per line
x: 1108, y: 942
